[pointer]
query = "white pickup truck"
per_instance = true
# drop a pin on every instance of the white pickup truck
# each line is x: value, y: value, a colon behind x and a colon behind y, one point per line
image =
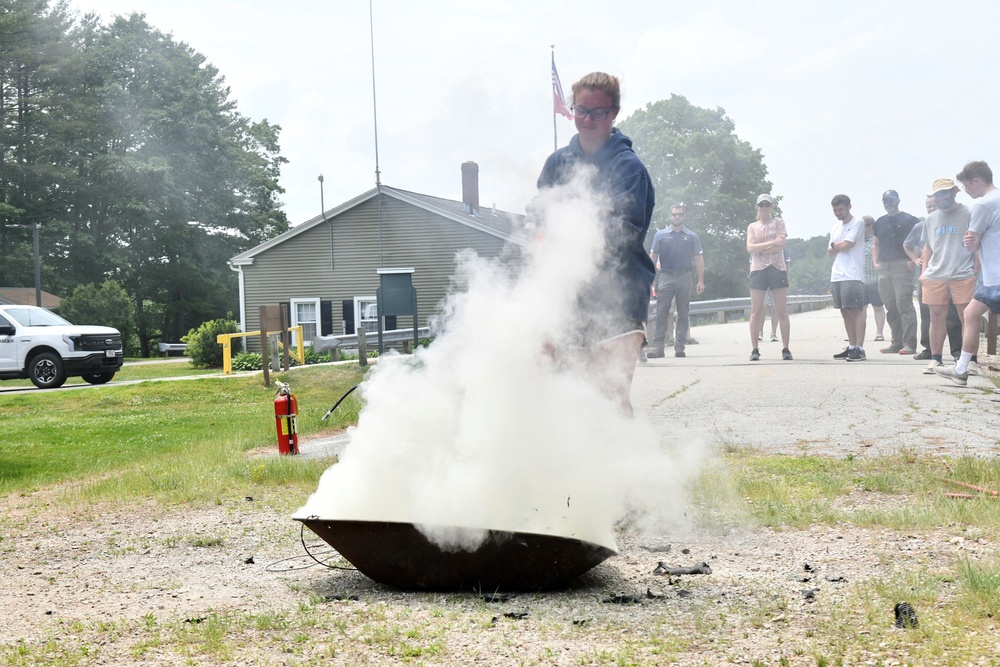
x: 39, y: 345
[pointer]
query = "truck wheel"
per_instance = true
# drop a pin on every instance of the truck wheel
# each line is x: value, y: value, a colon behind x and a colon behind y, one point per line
x: 98, y: 378
x: 46, y: 371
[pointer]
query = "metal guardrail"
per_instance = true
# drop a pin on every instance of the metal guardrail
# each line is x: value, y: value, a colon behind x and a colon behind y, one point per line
x: 743, y: 303
x: 722, y: 307
x: 350, y: 341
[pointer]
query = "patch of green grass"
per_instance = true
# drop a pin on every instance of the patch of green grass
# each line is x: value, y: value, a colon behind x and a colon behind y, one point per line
x: 177, y: 440
x: 980, y: 587
x: 147, y: 370
x: 207, y: 541
x: 155, y: 370
x: 799, y: 491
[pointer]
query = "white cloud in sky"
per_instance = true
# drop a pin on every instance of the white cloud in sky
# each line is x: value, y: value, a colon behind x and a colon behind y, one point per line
x: 850, y: 97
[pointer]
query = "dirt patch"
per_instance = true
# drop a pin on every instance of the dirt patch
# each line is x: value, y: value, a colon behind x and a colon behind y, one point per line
x: 62, y: 574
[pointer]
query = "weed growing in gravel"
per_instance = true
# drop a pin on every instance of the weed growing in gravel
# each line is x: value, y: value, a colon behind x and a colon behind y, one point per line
x: 979, y: 584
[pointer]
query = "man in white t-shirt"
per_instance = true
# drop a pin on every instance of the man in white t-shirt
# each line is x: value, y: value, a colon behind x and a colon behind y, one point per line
x: 847, y: 247
x: 983, y: 237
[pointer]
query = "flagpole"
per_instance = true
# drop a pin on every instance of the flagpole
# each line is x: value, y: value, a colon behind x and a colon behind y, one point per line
x: 555, y: 132
x: 558, y: 101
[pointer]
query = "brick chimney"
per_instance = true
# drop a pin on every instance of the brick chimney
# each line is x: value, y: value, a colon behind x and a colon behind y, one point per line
x: 470, y: 186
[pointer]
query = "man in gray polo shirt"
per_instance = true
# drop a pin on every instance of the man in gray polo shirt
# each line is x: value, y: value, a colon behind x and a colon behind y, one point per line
x: 677, y: 250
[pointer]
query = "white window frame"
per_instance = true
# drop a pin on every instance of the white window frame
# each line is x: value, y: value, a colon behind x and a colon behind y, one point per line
x: 294, y: 315
x: 358, y: 302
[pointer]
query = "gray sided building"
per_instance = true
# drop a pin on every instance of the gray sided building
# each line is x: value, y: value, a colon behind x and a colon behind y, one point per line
x: 325, y: 269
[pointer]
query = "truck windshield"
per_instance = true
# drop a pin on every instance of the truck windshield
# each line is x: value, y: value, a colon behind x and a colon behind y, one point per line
x: 35, y: 317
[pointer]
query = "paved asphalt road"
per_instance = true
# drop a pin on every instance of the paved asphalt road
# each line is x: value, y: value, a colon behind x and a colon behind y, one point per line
x: 815, y: 403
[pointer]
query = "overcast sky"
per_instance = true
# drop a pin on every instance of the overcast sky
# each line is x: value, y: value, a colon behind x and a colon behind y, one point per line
x: 847, y: 97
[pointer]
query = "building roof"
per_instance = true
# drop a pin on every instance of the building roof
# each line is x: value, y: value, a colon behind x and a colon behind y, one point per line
x: 25, y: 296
x: 501, y: 224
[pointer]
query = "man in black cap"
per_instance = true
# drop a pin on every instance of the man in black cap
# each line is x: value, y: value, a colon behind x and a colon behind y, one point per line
x: 895, y: 274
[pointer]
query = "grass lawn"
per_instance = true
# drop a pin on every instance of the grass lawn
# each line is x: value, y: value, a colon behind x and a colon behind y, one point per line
x: 164, y: 437
x: 144, y: 369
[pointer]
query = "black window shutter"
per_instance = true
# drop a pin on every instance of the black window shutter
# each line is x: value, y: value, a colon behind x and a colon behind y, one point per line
x: 348, y: 316
x: 325, y: 318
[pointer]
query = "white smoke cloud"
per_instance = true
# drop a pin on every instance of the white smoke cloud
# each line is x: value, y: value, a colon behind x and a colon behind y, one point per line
x: 484, y: 429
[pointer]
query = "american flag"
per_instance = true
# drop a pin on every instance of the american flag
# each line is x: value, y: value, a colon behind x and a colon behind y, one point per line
x: 558, y: 99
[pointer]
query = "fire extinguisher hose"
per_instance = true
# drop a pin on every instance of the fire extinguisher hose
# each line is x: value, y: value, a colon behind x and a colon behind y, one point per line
x: 341, y: 400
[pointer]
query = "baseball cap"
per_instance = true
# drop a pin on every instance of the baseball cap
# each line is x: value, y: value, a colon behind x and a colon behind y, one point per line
x: 942, y: 185
x: 890, y: 194
x: 766, y: 198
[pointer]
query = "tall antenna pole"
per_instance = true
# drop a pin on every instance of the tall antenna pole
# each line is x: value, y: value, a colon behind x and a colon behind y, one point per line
x: 378, y: 174
x: 329, y: 224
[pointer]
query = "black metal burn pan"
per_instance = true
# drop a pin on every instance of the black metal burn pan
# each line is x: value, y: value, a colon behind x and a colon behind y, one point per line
x: 398, y: 554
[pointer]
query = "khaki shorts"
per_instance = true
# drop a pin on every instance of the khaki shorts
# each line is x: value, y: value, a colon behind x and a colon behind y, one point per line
x: 937, y: 292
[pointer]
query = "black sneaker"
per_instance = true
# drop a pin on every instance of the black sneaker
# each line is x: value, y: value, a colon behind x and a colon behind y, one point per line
x: 755, y: 355
x: 842, y: 355
x: 923, y: 356
x: 679, y: 354
x: 786, y: 354
x: 654, y: 354
x: 642, y: 356
x: 857, y: 354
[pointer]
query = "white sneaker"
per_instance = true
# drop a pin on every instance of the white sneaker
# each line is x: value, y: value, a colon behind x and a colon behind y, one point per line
x: 774, y: 338
x: 931, y: 366
x: 973, y: 368
x: 949, y: 372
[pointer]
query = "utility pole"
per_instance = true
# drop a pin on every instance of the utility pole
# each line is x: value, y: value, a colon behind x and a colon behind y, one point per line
x: 38, y: 267
x: 38, y: 262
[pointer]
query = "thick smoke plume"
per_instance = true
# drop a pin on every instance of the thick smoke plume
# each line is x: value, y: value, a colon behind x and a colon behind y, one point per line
x: 496, y: 425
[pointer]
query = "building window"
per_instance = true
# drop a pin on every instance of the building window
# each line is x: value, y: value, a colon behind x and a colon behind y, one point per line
x: 366, y: 313
x: 305, y: 313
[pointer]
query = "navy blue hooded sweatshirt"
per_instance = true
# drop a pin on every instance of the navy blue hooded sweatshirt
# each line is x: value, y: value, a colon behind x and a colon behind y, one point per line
x: 622, y: 177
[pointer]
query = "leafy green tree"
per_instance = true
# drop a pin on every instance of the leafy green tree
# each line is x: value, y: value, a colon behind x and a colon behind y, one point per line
x: 115, y: 138
x: 35, y: 52
x: 173, y: 150
x: 695, y: 158
x: 809, y: 272
x: 106, y: 305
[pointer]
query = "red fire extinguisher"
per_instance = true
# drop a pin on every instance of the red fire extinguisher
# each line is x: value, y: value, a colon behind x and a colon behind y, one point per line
x: 285, y: 410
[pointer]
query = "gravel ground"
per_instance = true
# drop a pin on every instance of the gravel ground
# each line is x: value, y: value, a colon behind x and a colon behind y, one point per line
x: 767, y: 593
